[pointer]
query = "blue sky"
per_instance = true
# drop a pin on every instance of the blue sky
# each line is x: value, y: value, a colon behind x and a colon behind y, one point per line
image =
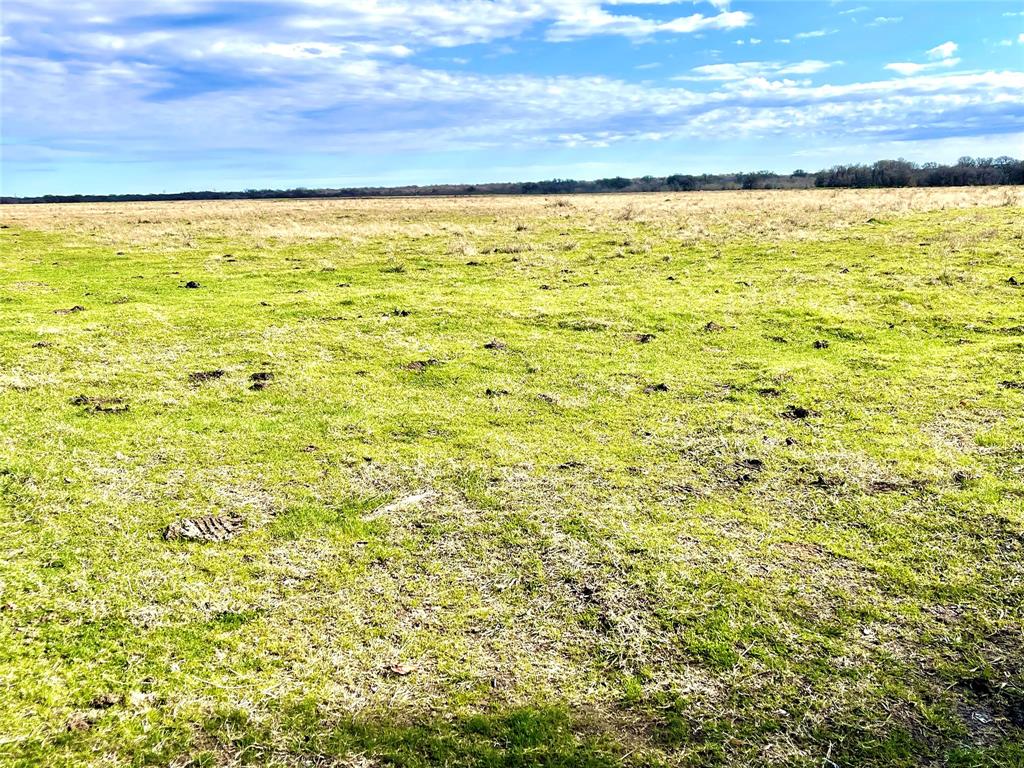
x: 167, y: 95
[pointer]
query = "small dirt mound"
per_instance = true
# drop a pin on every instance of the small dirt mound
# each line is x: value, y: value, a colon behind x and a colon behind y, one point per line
x: 652, y: 388
x: 192, y: 284
x: 260, y: 380
x: 101, y: 404
x: 797, y: 412
x: 209, y: 528
x: 421, y: 365
x: 644, y: 338
x: 70, y: 310
x: 198, y: 377
x: 495, y: 344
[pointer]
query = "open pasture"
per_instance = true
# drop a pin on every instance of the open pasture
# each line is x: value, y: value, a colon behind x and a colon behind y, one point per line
x: 688, y: 480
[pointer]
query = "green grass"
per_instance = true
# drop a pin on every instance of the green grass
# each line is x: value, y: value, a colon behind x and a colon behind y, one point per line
x: 603, y: 575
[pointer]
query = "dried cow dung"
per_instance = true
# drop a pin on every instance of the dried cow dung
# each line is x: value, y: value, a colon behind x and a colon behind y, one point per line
x: 210, y: 528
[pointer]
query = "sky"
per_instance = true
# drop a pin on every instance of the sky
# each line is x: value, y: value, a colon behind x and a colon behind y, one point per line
x: 112, y: 96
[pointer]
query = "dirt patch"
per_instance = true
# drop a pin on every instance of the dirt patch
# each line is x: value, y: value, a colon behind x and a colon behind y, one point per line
x: 650, y: 389
x: 101, y: 404
x: 713, y: 327
x: 821, y: 344
x: 69, y: 310
x: 198, y: 377
x: 260, y: 380
x: 644, y: 338
x: 421, y: 365
x: 209, y: 528
x: 193, y: 284
x: 797, y: 412
x: 495, y: 344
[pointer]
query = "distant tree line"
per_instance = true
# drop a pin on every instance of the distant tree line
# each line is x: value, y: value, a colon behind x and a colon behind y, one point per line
x: 968, y: 171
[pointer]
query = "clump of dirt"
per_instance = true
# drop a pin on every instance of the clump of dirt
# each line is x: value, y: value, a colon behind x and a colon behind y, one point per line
x: 1012, y: 384
x: 209, y: 528
x: 1013, y: 281
x: 644, y: 338
x: 821, y: 344
x: 769, y: 392
x: 42, y: 345
x: 399, y: 313
x: 495, y: 392
x: 101, y: 404
x: 713, y: 327
x: 82, y: 721
x: 198, y: 377
x: 192, y: 284
x: 495, y: 344
x: 421, y: 365
x: 796, y: 412
x: 70, y: 310
x: 106, y: 701
x: 652, y: 388
x: 260, y: 380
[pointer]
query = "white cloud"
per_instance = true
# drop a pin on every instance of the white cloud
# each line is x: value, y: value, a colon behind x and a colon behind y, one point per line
x: 815, y: 33
x: 883, y: 20
x: 589, y: 20
x: 858, y: 9
x: 910, y: 68
x: 944, y: 51
x: 941, y: 58
x: 753, y: 69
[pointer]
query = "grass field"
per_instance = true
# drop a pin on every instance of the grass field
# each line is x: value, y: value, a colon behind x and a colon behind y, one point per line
x: 697, y: 479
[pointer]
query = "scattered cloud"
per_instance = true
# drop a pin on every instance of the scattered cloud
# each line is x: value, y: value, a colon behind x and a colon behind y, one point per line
x: 941, y: 58
x: 745, y: 70
x: 883, y: 20
x: 911, y: 68
x: 590, y: 20
x: 944, y: 51
x: 196, y: 79
x: 858, y: 9
x: 815, y: 33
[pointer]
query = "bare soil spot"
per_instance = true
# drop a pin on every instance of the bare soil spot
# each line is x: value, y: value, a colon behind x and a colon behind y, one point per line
x: 70, y: 310
x: 796, y: 412
x: 101, y: 404
x: 421, y: 365
x: 209, y: 528
x: 198, y: 377
x: 260, y: 380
